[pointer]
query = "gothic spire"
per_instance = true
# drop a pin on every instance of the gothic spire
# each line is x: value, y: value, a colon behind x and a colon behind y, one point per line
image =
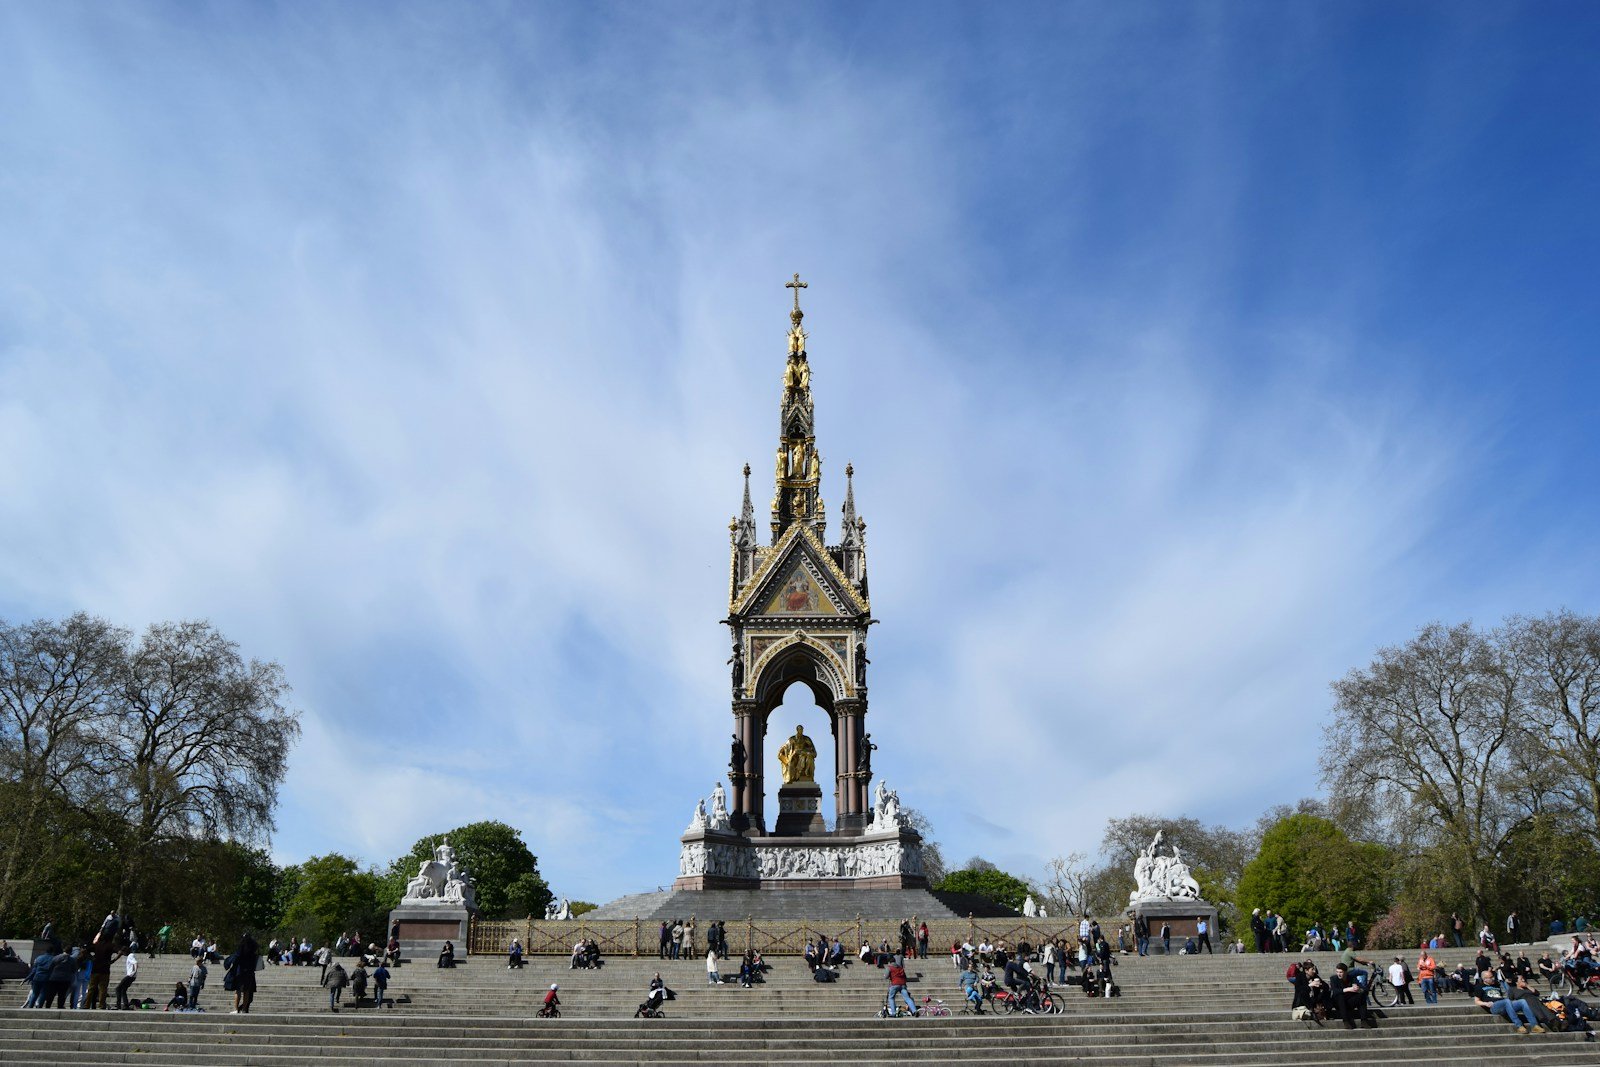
x: 799, y: 467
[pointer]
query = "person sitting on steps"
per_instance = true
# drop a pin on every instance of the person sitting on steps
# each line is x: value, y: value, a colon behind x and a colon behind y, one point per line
x: 1350, y: 998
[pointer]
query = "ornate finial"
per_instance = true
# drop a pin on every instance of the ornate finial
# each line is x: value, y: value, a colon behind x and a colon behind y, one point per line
x: 747, y: 470
x: 849, y: 470
x: 796, y: 315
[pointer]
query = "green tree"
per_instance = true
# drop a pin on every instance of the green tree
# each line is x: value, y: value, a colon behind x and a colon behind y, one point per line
x: 991, y: 883
x: 332, y: 895
x: 504, y: 871
x: 1308, y: 870
x: 582, y: 907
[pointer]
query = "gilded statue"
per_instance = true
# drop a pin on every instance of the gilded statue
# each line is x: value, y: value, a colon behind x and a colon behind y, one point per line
x: 798, y: 757
x: 797, y: 374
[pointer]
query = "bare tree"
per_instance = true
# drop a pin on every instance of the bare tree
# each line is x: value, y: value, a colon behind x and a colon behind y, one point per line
x: 56, y: 682
x: 1066, y: 884
x: 1426, y: 732
x: 201, y: 743
x: 933, y: 863
x: 1557, y: 658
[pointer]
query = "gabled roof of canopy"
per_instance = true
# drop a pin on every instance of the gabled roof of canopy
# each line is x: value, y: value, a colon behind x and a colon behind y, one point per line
x: 798, y: 542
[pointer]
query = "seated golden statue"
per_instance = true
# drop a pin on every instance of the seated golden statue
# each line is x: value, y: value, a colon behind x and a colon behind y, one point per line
x: 798, y: 758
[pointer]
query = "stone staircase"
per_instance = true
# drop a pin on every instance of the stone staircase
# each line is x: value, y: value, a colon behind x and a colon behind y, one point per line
x: 1175, y: 1010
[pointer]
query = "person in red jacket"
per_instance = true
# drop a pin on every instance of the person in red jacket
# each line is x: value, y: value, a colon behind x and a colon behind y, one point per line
x: 897, y: 987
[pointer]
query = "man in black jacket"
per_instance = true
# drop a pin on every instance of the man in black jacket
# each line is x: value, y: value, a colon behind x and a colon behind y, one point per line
x: 1141, y: 934
x: 1350, y: 998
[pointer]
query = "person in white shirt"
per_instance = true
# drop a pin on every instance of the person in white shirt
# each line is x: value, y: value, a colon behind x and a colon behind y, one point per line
x: 1400, y: 975
x: 131, y: 968
x: 712, y: 977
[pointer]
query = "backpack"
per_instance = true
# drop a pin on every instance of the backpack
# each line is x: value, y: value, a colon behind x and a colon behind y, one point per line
x: 1292, y: 973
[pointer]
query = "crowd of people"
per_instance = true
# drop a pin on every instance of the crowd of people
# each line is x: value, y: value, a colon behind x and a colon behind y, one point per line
x: 1507, y: 987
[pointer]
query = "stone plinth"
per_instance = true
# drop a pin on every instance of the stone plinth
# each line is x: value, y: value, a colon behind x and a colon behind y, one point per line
x: 1182, y: 916
x: 800, y: 810
x: 889, y: 859
x: 424, y: 928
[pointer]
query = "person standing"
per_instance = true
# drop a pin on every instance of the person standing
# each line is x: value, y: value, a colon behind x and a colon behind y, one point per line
x: 1511, y: 929
x: 101, y: 955
x: 62, y: 970
x: 130, y: 969
x: 1141, y: 935
x: 1427, y: 970
x: 197, y: 982
x: 1258, y: 930
x: 712, y: 977
x: 676, y: 949
x: 244, y: 973
x: 1400, y: 976
x: 1049, y: 956
x: 1456, y: 926
x: 922, y: 939
x: 688, y: 939
x: 666, y: 938
x: 1166, y: 937
x: 1205, y: 934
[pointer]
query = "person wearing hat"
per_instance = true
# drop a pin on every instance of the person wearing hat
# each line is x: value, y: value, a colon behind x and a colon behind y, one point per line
x: 551, y: 1001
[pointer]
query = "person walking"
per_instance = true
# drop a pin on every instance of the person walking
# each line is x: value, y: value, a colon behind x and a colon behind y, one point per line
x: 39, y: 977
x: 380, y: 983
x: 130, y: 969
x: 1512, y: 937
x: 244, y: 973
x: 1205, y: 934
x: 1141, y: 935
x: 358, y: 984
x: 712, y: 976
x: 335, y: 979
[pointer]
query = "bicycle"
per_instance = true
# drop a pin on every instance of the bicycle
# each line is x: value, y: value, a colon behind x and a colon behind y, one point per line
x: 934, y: 1008
x: 1380, y: 990
x: 1568, y: 981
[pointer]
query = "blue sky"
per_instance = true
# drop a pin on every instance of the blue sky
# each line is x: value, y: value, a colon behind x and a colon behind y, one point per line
x: 1185, y: 355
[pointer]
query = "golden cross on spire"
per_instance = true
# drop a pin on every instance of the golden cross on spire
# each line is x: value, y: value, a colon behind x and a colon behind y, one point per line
x: 796, y: 285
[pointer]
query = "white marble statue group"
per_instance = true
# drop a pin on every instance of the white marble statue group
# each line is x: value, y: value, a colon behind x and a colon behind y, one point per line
x: 1032, y: 909
x: 717, y: 819
x: 885, y: 809
x: 441, y: 881
x: 558, y: 910
x: 1162, y: 877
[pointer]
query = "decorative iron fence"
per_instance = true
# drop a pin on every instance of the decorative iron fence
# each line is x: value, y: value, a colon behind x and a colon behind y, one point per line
x: 641, y: 937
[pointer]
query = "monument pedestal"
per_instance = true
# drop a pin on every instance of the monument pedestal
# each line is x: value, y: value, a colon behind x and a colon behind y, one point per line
x: 799, y: 810
x: 722, y: 859
x: 424, y: 928
x: 1183, y: 916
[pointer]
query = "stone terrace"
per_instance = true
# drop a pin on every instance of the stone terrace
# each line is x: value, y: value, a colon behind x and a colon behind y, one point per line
x: 1176, y: 1010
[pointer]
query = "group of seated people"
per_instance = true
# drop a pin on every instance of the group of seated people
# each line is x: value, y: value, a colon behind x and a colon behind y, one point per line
x: 1342, y: 995
x: 586, y: 955
x: 820, y: 952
